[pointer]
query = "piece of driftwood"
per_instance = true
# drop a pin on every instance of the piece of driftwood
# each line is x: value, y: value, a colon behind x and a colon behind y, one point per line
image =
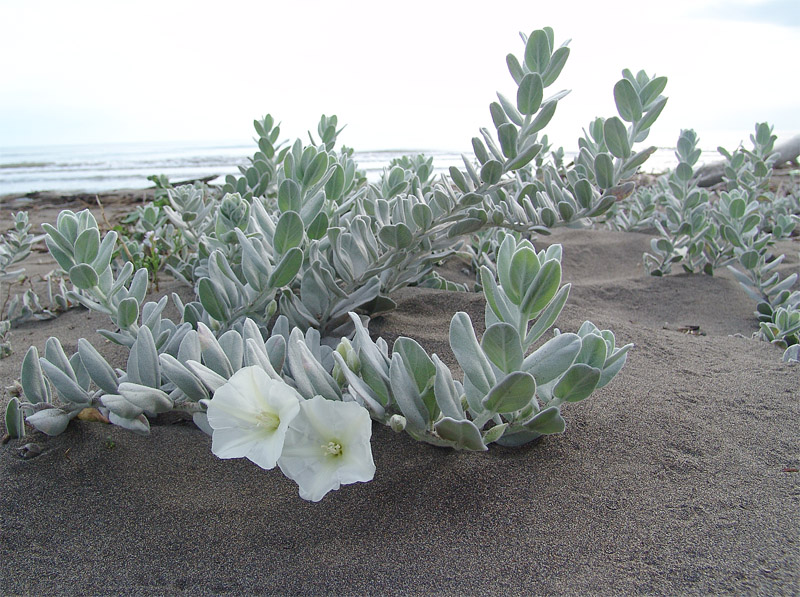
x: 711, y: 174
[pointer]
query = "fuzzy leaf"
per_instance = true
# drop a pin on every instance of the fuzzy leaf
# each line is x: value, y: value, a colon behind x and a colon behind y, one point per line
x: 464, y: 434
x: 514, y: 392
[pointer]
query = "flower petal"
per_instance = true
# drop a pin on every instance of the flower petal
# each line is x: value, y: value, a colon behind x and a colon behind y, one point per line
x: 320, y: 426
x: 249, y: 416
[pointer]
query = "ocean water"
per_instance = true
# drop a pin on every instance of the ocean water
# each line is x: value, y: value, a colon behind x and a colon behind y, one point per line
x: 95, y: 168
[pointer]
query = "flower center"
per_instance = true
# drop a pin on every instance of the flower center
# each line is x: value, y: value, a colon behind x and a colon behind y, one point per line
x: 268, y: 420
x: 332, y: 449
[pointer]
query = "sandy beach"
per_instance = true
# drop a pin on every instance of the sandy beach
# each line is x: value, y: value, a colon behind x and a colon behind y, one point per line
x: 679, y: 477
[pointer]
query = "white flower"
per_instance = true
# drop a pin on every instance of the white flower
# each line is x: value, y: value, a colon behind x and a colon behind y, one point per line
x: 250, y: 415
x: 327, y: 446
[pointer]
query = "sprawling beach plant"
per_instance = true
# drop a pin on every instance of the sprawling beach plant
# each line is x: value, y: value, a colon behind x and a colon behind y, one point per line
x: 736, y: 227
x: 684, y: 225
x: 290, y: 259
x: 15, y: 246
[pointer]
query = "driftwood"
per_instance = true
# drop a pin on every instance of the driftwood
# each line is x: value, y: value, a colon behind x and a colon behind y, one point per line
x: 711, y: 174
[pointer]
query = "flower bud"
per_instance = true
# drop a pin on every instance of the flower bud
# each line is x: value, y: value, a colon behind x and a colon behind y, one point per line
x: 397, y: 423
x: 337, y: 375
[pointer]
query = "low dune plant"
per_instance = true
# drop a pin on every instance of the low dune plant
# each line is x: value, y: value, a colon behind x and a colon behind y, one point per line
x: 737, y: 227
x: 288, y: 261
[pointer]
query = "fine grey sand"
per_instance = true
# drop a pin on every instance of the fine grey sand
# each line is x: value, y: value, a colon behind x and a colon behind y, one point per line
x: 676, y: 478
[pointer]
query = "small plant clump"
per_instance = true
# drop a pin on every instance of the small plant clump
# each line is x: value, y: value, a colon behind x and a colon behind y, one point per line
x: 288, y: 262
x: 736, y: 228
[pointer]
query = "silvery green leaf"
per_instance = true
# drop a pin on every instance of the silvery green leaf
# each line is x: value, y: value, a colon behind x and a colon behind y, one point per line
x: 463, y: 434
x: 97, y: 367
x: 292, y: 308
x: 233, y: 347
x: 127, y: 312
x: 318, y: 227
x: 495, y: 433
x: 538, y: 51
x: 490, y: 144
x: 458, y: 179
x: 480, y: 151
x: 616, y: 137
x: 309, y: 375
x: 120, y: 406
x: 499, y: 118
x: 447, y: 396
x: 66, y: 386
x: 521, y: 274
x: 151, y: 313
x: 496, y: 299
x: 514, y: 392
x: 139, y: 425
x: 149, y: 372
x: 547, y: 317
x: 547, y: 421
x: 51, y: 421
x: 184, y: 379
x: 289, y: 232
x: 254, y: 250
x: 514, y: 68
x: 397, y: 236
x: 189, y: 348
x: 33, y: 383
x: 502, y: 346
x: 407, y: 395
x: 360, y: 391
x: 276, y: 349
x: 149, y: 399
x: 417, y: 361
x: 553, y: 358
x: 593, y: 351
x: 577, y: 383
x: 15, y: 421
x: 122, y: 278
x: 87, y: 245
x: 287, y: 268
x: 255, y: 356
x: 422, y: 215
x: 469, y: 353
x: 557, y: 62
x: 507, y: 134
x: 530, y: 94
x: 314, y: 293
x: 83, y: 276
x: 138, y: 287
x: 465, y: 226
x: 210, y: 378
x: 316, y: 170
x: 104, y: 252
x: 524, y: 157
x: 542, y: 289
x: 627, y: 100
x: 652, y: 114
x: 543, y: 118
x: 289, y: 196
x: 312, y: 208
x: 508, y: 107
x: 652, y: 90
x: 613, y: 365
x: 604, y: 170
x: 336, y: 183
x: 213, y: 355
x: 213, y: 299
x: 791, y: 354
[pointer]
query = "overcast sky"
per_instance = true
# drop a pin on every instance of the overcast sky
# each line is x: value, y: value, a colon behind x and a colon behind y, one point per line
x: 402, y: 75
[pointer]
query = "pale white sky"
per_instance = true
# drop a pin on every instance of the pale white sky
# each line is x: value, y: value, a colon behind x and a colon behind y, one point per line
x: 401, y: 75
